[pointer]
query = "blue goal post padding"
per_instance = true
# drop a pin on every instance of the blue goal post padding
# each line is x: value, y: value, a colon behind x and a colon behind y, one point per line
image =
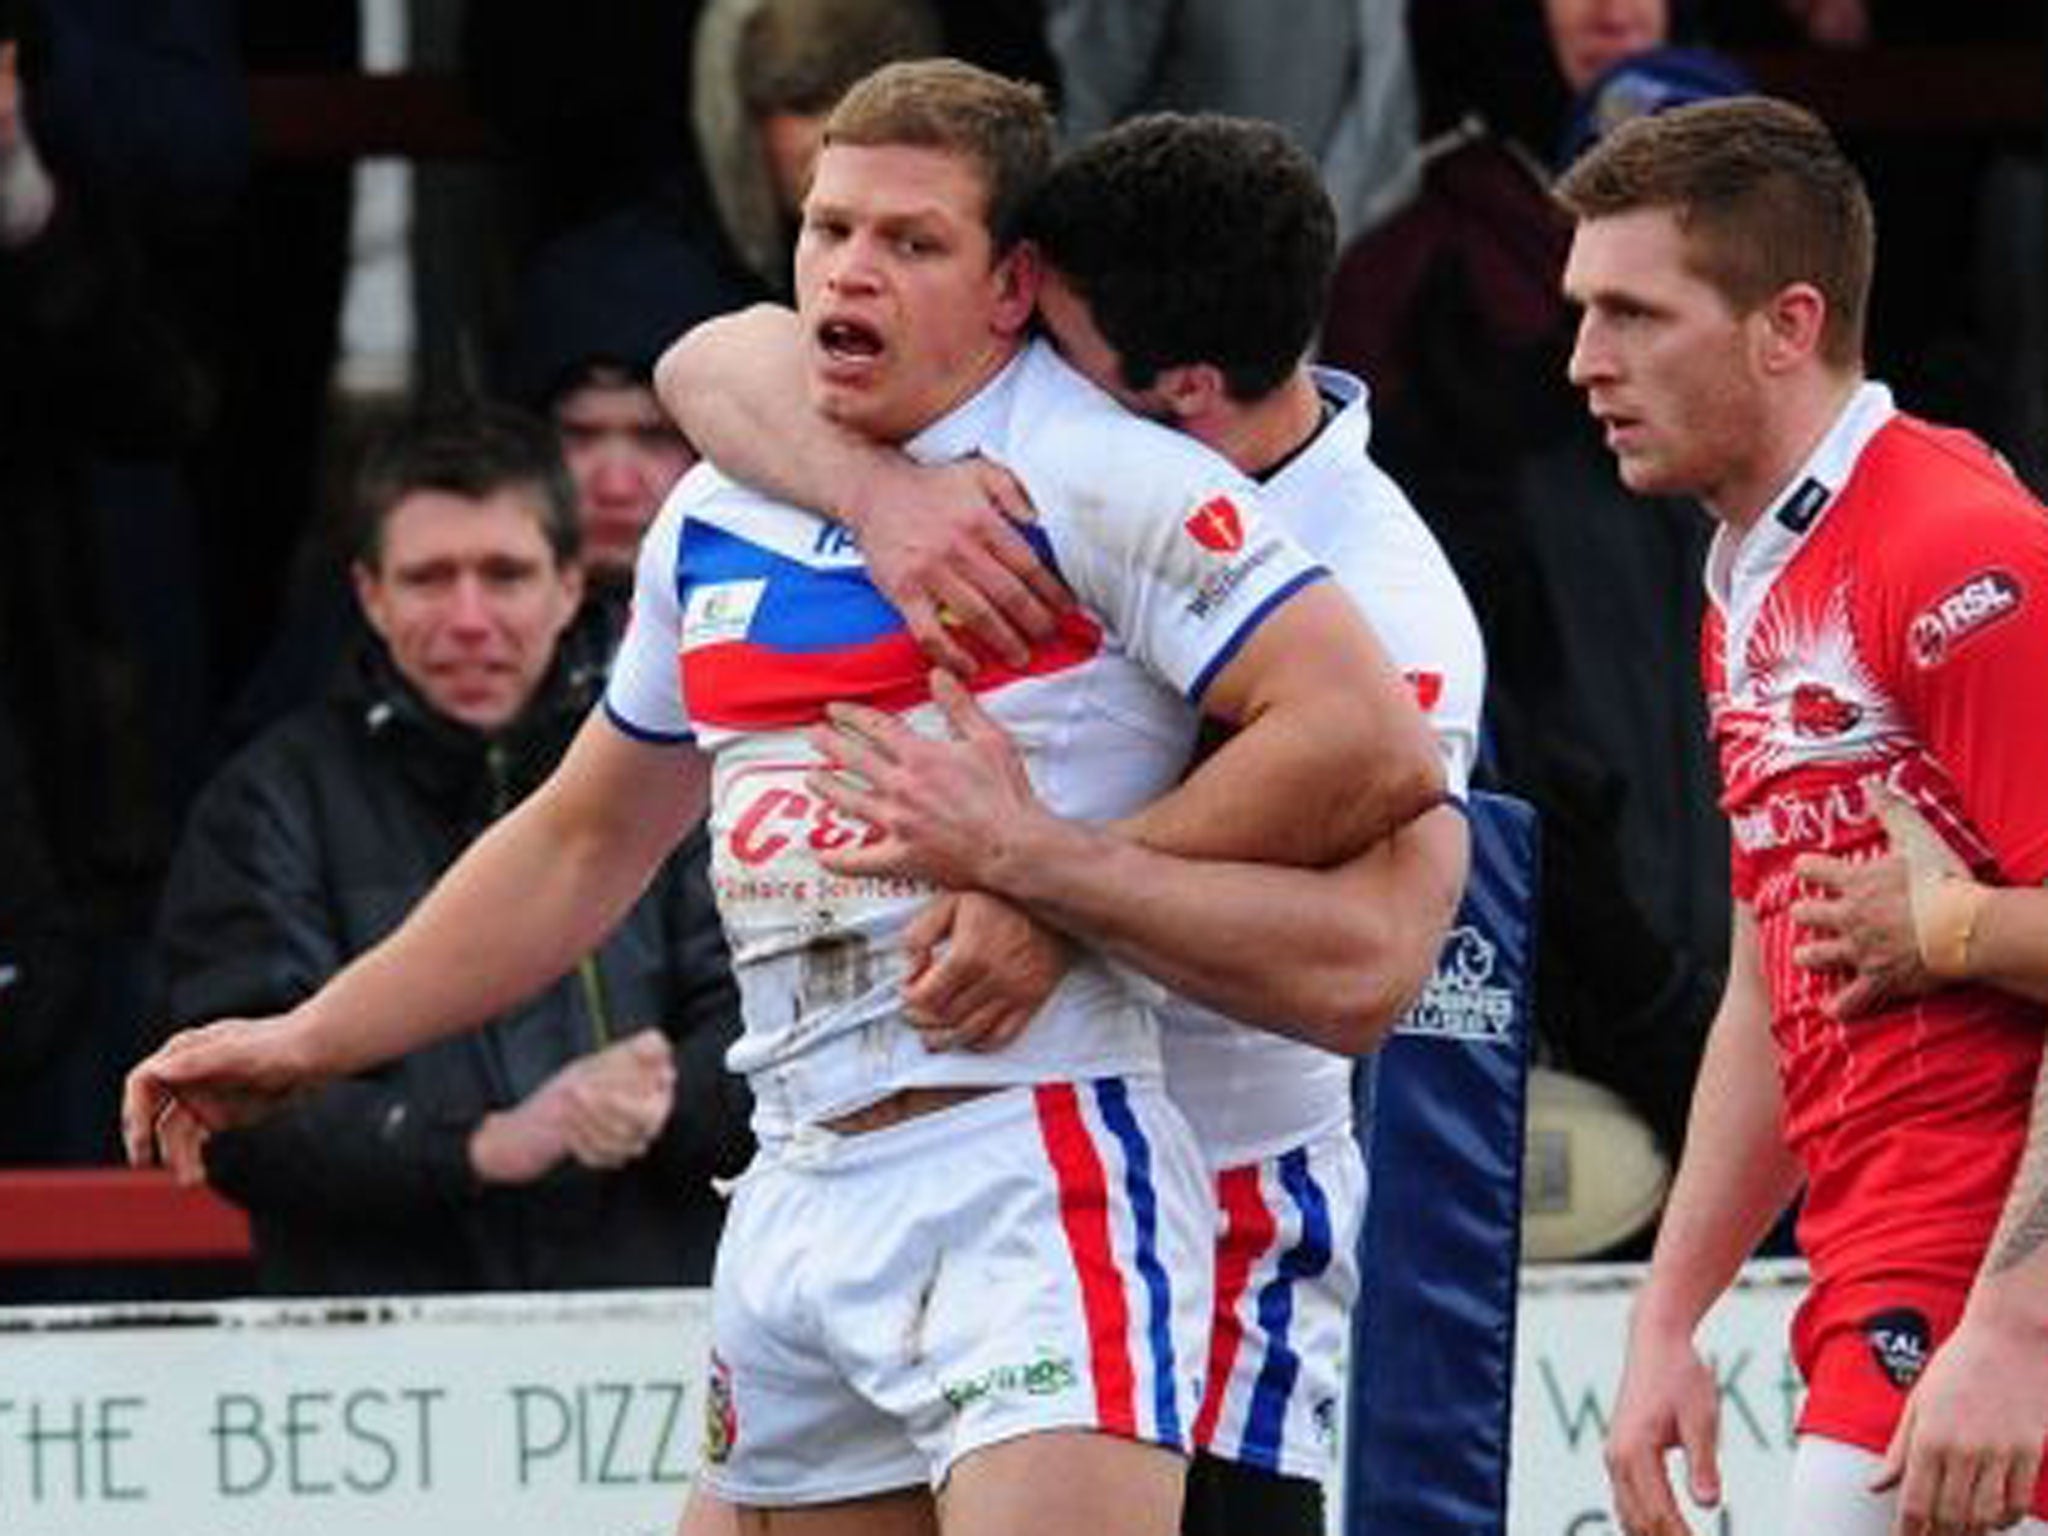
x: 1441, y: 1116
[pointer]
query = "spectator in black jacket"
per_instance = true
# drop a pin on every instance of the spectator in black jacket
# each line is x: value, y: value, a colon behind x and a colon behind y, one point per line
x: 571, y: 1141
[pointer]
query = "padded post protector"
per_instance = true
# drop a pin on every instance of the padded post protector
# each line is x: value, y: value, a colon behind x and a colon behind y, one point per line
x: 1441, y: 1117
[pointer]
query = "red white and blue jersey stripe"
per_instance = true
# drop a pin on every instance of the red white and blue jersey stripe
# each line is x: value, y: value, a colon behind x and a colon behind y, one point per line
x: 1143, y: 1311
x: 751, y: 615
x: 1286, y: 1278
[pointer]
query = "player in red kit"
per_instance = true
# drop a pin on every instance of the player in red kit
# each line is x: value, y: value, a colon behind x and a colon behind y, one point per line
x: 1878, y: 616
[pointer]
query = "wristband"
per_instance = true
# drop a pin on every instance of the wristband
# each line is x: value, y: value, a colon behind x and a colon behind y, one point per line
x: 1945, y: 922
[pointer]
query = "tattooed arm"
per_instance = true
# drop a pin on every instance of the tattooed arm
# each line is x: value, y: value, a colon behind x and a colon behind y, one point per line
x: 1970, y: 1440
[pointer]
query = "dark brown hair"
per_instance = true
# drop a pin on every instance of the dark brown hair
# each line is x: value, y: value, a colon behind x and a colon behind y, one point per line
x: 1764, y: 195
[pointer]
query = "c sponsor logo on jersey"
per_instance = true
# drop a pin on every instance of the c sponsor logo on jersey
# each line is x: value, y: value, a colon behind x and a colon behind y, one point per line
x: 1977, y: 604
x: 780, y: 816
x: 1217, y: 526
x: 1817, y: 710
x: 1900, y: 1342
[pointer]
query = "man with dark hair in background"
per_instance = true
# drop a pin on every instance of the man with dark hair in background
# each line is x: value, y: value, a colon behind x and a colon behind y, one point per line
x: 570, y: 1142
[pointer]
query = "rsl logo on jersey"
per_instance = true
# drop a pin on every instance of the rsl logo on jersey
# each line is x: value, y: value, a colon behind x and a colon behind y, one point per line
x: 1975, y: 605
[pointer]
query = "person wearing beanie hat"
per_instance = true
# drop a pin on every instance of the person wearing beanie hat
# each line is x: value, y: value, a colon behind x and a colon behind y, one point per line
x: 1654, y: 80
x: 594, y: 309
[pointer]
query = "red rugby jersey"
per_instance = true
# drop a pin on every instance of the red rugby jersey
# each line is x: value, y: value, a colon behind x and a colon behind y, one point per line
x: 1887, y: 623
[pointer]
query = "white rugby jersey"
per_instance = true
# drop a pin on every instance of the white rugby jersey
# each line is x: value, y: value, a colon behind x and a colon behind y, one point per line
x: 1250, y: 1094
x: 749, y: 616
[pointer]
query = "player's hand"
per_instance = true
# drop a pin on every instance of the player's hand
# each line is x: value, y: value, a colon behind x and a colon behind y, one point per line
x: 1968, y: 1447
x: 1859, y: 924
x: 980, y: 969
x: 942, y: 543
x: 945, y: 809
x: 603, y: 1110
x: 1865, y: 920
x: 203, y: 1080
x: 1667, y: 1401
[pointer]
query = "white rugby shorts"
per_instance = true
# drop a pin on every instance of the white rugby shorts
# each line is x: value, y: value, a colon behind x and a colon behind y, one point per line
x: 1286, y: 1279
x: 888, y: 1302
x: 1830, y: 1492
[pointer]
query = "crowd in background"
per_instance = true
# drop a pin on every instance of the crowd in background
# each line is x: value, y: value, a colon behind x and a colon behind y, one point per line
x: 182, y: 503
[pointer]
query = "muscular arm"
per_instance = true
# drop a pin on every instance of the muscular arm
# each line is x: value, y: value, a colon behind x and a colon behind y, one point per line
x: 1328, y: 755
x: 532, y: 895
x: 2008, y: 945
x: 1326, y: 955
x: 1330, y: 956
x: 731, y: 383
x: 1737, y: 1175
x: 1287, y: 881
x: 1970, y: 1439
x: 522, y: 904
x: 939, y: 540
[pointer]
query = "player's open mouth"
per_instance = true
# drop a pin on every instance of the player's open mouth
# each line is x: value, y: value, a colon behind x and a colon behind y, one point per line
x: 849, y: 341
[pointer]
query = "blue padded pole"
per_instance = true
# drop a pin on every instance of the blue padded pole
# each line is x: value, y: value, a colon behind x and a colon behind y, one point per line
x: 1441, y: 1118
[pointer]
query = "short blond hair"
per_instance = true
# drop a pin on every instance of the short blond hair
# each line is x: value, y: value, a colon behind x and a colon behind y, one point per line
x: 1001, y: 126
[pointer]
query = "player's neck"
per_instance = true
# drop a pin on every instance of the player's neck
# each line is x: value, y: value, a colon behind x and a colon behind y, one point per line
x: 1260, y: 435
x: 1795, y: 426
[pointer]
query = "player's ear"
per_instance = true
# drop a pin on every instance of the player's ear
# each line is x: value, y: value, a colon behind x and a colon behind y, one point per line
x: 1016, y: 276
x: 1191, y: 390
x: 1789, y: 326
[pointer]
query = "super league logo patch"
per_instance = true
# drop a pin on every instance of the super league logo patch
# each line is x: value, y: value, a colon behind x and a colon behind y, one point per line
x: 1977, y: 604
x: 1900, y: 1341
x: 1216, y: 526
